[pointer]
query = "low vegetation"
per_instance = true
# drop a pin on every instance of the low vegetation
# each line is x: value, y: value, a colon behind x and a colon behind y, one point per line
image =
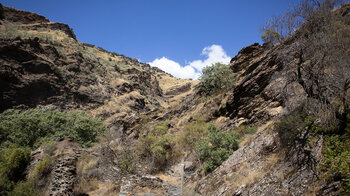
x: 215, y: 78
x: 192, y: 132
x: 336, y: 153
x: 32, y: 127
x: 291, y: 125
x: 13, y: 162
x: 158, y: 144
x: 22, y: 130
x: 217, y: 147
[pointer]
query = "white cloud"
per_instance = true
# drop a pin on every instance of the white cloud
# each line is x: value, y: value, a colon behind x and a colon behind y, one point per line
x: 174, y: 68
x: 213, y: 53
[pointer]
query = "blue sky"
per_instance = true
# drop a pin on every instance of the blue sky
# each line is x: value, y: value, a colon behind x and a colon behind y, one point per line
x: 170, y: 34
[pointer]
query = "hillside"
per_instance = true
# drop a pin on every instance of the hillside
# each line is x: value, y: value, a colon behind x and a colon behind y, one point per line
x: 79, y: 120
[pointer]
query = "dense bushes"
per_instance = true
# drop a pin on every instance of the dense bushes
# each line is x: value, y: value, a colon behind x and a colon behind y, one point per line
x: 13, y: 162
x: 31, y: 127
x: 217, y: 147
x: 337, y: 154
x: 22, y: 130
x: 214, y: 79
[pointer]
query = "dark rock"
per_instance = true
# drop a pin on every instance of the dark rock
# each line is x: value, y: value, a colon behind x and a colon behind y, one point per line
x: 14, y: 15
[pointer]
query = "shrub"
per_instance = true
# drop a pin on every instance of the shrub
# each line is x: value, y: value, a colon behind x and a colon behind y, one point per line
x: 43, y: 168
x: 214, y: 79
x: 13, y: 162
x: 270, y: 36
x: 26, y: 188
x: 158, y: 144
x: 290, y: 126
x: 192, y: 132
x: 313, y: 13
x: 27, y: 128
x: 126, y: 161
x: 217, y: 148
x: 337, y: 156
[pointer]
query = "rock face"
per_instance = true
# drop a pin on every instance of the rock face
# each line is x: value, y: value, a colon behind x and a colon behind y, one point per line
x: 15, y: 15
x: 50, y: 67
x: 63, y: 176
x: 259, y: 168
x: 147, y: 185
x: 259, y: 91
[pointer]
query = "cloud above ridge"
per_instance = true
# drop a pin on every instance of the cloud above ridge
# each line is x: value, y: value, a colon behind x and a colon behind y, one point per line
x: 214, y: 54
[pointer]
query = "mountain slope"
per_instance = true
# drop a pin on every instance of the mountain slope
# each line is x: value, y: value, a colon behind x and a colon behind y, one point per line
x: 288, y: 106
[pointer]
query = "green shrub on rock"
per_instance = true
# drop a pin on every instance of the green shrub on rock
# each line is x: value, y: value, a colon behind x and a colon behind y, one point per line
x: 22, y: 130
x: 157, y: 144
x: 217, y: 148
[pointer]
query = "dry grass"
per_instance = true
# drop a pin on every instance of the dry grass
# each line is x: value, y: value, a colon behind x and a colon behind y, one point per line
x: 166, y: 82
x: 118, y: 106
x: 247, y: 174
x: 13, y: 30
x: 85, y: 185
x: 85, y: 163
x: 147, y: 190
x: 267, y: 128
x: 105, y: 189
x: 169, y: 179
x: 115, y: 82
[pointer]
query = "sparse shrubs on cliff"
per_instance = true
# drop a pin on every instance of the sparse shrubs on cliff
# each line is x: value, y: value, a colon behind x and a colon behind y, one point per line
x: 313, y: 13
x: 336, y: 161
x: 215, y: 78
x: 158, y: 144
x: 299, y: 128
x: 290, y: 126
x: 192, y: 132
x: 270, y: 36
x: 217, y: 147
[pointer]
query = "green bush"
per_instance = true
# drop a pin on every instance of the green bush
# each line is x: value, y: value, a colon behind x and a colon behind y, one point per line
x: 13, y: 162
x: 27, y: 128
x: 26, y: 188
x: 214, y: 79
x: 158, y: 144
x: 336, y: 152
x: 217, y: 148
x: 337, y: 155
x: 43, y: 168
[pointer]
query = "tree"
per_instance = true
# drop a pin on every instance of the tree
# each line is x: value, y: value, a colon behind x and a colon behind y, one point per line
x: 307, y: 12
x: 322, y: 68
x: 270, y: 36
x: 215, y: 78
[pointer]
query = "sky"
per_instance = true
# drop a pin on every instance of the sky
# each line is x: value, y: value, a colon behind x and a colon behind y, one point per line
x: 178, y: 36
